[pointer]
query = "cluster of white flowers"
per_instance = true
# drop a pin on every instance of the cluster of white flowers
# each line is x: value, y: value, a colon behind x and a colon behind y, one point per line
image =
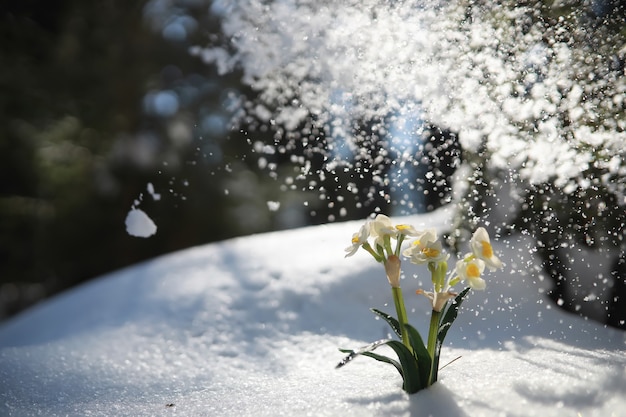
x: 383, y: 231
x: 425, y: 249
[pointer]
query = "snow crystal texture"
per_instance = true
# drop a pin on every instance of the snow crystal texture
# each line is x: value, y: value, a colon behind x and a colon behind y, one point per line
x: 251, y: 327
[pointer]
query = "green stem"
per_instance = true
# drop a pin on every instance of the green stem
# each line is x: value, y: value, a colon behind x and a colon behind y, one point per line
x: 387, y: 242
x: 399, y: 245
x: 432, y: 267
x: 371, y: 251
x: 433, y: 331
x: 402, y: 317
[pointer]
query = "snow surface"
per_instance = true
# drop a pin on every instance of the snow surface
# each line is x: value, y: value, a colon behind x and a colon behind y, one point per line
x: 251, y: 327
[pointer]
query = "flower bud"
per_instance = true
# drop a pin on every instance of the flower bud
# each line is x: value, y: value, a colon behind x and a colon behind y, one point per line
x: 441, y: 298
x: 392, y: 269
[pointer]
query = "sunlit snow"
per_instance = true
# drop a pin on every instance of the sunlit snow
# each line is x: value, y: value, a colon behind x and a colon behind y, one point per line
x: 251, y: 327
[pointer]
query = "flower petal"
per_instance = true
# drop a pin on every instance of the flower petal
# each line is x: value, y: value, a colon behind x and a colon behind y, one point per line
x: 471, y: 272
x: 382, y: 226
x: 482, y: 249
x: 358, y: 239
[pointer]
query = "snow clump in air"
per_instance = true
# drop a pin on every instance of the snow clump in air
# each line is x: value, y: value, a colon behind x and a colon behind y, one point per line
x: 138, y: 224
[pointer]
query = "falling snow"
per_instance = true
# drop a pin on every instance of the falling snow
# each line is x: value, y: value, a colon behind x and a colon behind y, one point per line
x: 492, y: 78
x: 526, y: 106
x: 273, y: 205
x: 155, y: 196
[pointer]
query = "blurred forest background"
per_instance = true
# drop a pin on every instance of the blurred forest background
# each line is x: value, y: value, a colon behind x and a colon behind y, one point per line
x: 98, y: 99
x: 101, y: 99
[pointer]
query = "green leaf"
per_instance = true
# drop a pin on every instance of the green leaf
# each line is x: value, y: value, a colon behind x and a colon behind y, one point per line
x: 376, y: 356
x: 450, y: 315
x: 448, y: 318
x: 386, y: 359
x: 407, y: 366
x: 361, y: 351
x: 421, y: 353
x: 393, y: 323
x: 411, y: 374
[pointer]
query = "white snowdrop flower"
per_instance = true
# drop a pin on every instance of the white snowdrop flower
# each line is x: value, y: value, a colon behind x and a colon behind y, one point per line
x: 382, y: 230
x: 426, y: 248
x: 470, y: 271
x: 407, y: 230
x: 482, y: 249
x: 382, y: 226
x: 358, y: 239
x: 422, y: 238
x: 437, y: 299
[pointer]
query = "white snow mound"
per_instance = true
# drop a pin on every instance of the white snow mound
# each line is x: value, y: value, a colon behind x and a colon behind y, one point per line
x: 251, y: 327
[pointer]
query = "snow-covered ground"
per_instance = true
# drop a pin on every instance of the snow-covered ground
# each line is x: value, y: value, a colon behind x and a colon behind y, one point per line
x: 251, y: 327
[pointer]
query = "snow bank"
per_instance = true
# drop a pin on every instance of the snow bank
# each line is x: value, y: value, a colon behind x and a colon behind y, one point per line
x: 251, y: 327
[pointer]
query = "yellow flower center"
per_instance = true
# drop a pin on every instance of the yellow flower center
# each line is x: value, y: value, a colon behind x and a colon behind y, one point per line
x: 487, y: 250
x: 402, y: 226
x: 472, y: 271
x: 430, y: 252
x: 355, y: 239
